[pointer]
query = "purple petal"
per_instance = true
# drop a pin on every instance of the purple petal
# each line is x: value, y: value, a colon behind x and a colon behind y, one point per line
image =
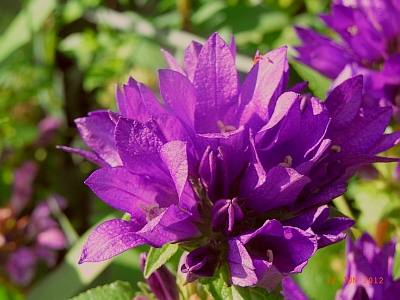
x: 201, y: 262
x: 191, y: 57
x: 21, y: 266
x: 179, y: 95
x: 138, y: 148
x: 344, y: 101
x: 291, y: 247
x: 241, y: 265
x: 172, y: 63
x: 129, y: 192
x: 385, y: 142
x: 260, y: 86
x: 130, y: 103
x: 90, y: 156
x: 291, y: 290
x: 162, y: 283
x: 52, y: 238
x: 391, y: 69
x: 23, y: 186
x: 110, y: 239
x: 172, y: 225
x: 215, y: 81
x: 280, y: 187
x: 365, y: 130
x: 321, y: 53
x: 174, y: 156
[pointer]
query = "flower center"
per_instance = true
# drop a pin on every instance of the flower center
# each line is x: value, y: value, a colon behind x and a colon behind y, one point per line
x: 152, y: 211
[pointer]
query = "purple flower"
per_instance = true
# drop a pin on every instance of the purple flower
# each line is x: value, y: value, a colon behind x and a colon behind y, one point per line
x: 369, y: 45
x: 291, y: 291
x: 21, y: 266
x: 369, y: 273
x: 238, y: 173
x: 367, y: 262
x: 24, y: 239
x: 22, y: 188
x: 162, y: 283
x: 201, y: 262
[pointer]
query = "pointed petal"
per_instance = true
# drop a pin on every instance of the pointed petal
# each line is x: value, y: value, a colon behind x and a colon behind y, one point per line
x: 172, y: 225
x: 291, y: 291
x: 179, y: 95
x: 216, y: 85
x: 131, y: 102
x: 138, y: 148
x: 255, y: 101
x: 385, y: 142
x: 191, y: 57
x: 365, y: 130
x: 344, y: 101
x: 110, y: 239
x: 97, y: 130
x: 129, y: 193
x: 90, y: 156
x: 280, y: 187
x: 172, y: 63
x: 174, y: 156
x: 240, y: 264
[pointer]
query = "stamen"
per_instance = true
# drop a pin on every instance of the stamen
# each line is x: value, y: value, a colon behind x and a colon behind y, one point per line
x: 224, y: 128
x: 152, y: 211
x: 270, y: 256
x: 336, y: 148
x: 287, y: 163
x: 353, y: 30
x: 258, y: 57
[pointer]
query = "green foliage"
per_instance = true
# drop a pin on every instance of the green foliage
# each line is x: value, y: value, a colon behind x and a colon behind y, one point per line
x: 375, y: 200
x: 218, y: 288
x: 159, y: 256
x: 318, y: 83
x: 9, y: 293
x: 118, y: 290
x: 69, y: 278
x: 324, y: 272
x: 27, y: 23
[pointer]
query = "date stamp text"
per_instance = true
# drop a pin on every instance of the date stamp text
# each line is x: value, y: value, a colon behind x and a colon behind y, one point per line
x: 355, y: 280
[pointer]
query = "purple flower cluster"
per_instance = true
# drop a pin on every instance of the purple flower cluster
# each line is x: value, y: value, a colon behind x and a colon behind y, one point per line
x: 239, y: 173
x: 24, y: 240
x: 369, y: 273
x: 369, y: 44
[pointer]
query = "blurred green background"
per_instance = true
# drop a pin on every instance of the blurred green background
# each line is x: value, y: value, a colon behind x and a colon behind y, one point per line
x: 62, y: 59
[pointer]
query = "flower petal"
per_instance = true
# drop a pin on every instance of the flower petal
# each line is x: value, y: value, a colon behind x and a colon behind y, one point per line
x: 97, y: 130
x: 179, y: 95
x: 129, y: 192
x: 110, y: 239
x: 216, y: 84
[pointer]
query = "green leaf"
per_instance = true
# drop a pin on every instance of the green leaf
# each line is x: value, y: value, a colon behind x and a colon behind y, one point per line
x: 324, y: 272
x: 27, y: 22
x: 159, y: 256
x: 375, y: 201
x: 118, y: 290
x: 217, y: 287
x: 318, y: 83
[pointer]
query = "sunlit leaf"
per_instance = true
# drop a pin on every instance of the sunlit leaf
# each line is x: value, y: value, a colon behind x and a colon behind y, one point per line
x: 26, y: 23
x: 118, y: 290
x: 159, y: 256
x: 218, y: 288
